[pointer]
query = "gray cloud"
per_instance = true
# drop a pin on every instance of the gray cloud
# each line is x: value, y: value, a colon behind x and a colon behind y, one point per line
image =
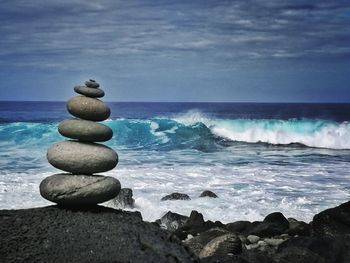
x: 66, y: 33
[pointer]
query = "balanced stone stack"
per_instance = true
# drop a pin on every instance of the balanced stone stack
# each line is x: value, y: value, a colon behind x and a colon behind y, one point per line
x: 81, y: 156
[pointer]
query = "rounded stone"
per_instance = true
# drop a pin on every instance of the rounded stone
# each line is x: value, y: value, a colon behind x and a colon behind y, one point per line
x: 82, y: 157
x: 88, y: 108
x: 92, y: 84
x: 72, y: 190
x: 89, y: 92
x: 85, y: 130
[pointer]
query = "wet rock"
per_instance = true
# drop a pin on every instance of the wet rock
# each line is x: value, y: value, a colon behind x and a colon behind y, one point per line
x: 333, y: 221
x: 299, y: 228
x: 172, y: 221
x: 222, y: 246
x: 89, y: 92
x: 242, y: 227
x: 82, y: 157
x: 324, y: 249
x: 83, y: 130
x: 88, y: 108
x: 73, y: 190
x: 124, y: 199
x: 97, y: 234
x: 298, y: 254
x: 195, y: 225
x: 208, y: 193
x: 176, y: 196
x: 273, y: 224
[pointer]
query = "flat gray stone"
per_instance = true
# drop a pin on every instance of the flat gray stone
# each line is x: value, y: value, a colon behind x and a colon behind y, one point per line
x: 82, y: 157
x: 88, y: 108
x: 85, y: 130
x: 89, y: 92
x: 68, y: 189
x: 92, y: 84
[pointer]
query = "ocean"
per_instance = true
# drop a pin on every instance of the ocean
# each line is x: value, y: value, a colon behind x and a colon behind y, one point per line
x: 257, y: 157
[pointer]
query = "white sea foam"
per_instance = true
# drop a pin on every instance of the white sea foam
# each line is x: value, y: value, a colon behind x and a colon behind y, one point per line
x: 246, y: 191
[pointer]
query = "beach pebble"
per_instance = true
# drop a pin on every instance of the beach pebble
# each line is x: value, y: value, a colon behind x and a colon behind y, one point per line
x: 89, y: 92
x: 85, y: 130
x: 68, y: 189
x: 88, y: 108
x: 252, y: 246
x: 92, y: 84
x: 82, y: 157
x: 253, y: 239
x: 273, y: 241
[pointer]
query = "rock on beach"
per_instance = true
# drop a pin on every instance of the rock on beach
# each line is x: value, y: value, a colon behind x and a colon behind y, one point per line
x: 70, y: 190
x: 88, y: 108
x: 85, y: 130
x: 89, y: 92
x: 92, y: 84
x: 94, y: 234
x: 82, y: 157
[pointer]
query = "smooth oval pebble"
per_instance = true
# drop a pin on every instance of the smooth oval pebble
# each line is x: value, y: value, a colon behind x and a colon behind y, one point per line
x: 82, y: 157
x: 68, y: 189
x: 89, y: 92
x: 92, y: 84
x: 83, y: 130
x: 88, y: 108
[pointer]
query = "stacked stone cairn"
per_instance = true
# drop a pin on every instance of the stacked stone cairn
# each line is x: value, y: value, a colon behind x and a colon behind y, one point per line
x: 81, y: 156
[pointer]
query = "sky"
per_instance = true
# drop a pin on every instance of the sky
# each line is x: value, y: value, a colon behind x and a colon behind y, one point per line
x: 210, y: 51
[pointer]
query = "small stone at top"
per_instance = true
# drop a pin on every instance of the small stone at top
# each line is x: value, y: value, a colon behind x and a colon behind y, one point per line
x: 92, y: 84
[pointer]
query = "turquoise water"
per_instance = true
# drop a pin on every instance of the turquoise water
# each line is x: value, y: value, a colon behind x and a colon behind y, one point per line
x: 258, y: 158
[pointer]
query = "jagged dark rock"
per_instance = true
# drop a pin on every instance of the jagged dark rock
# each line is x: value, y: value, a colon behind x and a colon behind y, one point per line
x: 208, y: 193
x: 315, y: 249
x: 96, y: 234
x: 196, y: 224
x: 124, y: 199
x: 172, y: 221
x: 299, y: 228
x: 273, y: 224
x: 176, y: 196
x: 333, y: 221
x: 242, y: 227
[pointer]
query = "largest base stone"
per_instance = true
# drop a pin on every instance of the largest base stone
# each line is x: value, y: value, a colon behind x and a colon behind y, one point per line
x: 73, y: 190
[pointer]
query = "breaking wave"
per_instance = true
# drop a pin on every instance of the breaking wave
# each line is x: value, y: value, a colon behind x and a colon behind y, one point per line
x: 194, y: 130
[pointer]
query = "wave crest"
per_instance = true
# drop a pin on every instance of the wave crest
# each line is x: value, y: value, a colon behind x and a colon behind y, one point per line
x: 194, y: 130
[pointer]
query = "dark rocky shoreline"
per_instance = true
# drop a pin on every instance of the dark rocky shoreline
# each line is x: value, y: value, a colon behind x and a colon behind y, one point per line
x: 275, y: 239
x: 100, y: 234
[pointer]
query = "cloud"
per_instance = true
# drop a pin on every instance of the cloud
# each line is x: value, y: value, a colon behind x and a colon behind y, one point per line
x: 69, y: 33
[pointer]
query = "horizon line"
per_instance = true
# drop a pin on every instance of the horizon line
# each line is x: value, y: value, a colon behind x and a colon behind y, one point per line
x: 214, y: 102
